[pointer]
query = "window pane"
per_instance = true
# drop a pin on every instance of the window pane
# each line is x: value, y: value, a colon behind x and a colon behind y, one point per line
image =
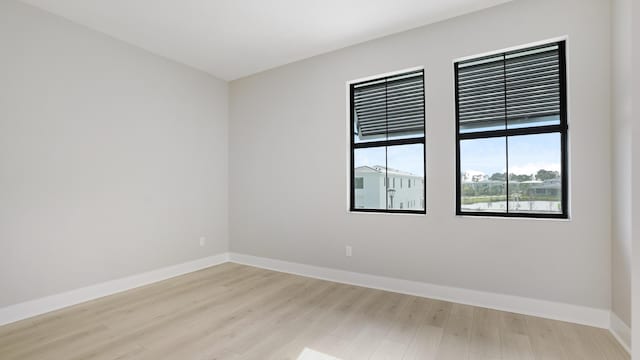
x: 500, y: 170
x: 389, y: 108
x: 481, y: 95
x: 482, y: 175
x: 369, y: 166
x: 533, y: 87
x: 477, y: 126
x: 369, y: 111
x: 518, y: 123
x: 406, y: 164
x: 535, y: 181
x: 405, y: 106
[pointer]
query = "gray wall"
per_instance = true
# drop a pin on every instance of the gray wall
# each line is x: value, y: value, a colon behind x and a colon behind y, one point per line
x: 621, y: 125
x: 635, y: 75
x: 113, y: 161
x: 289, y: 148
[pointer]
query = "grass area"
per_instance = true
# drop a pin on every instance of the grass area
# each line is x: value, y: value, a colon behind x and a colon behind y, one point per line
x: 469, y: 200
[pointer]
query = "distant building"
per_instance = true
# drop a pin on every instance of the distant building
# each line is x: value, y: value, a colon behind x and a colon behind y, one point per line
x: 551, y: 187
x: 474, y: 176
x: 482, y: 186
x: 400, y: 190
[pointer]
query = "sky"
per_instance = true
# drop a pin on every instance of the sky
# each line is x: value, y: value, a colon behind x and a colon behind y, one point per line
x: 527, y: 155
x: 407, y: 158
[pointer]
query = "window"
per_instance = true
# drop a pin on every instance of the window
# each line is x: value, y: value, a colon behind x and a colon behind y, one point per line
x: 511, y: 113
x: 387, y: 126
x: 359, y: 183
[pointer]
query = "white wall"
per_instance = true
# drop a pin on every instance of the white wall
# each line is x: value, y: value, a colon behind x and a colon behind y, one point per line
x: 635, y: 75
x: 288, y: 164
x: 621, y: 125
x: 113, y: 161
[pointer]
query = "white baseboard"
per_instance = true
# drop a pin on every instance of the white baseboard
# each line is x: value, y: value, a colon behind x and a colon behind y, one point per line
x: 621, y: 331
x: 43, y: 305
x: 547, y: 309
x: 541, y: 308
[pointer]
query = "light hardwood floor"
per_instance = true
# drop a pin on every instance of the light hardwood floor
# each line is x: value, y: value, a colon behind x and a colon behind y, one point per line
x: 233, y: 311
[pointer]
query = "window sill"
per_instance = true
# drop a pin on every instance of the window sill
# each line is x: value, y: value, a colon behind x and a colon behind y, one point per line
x: 501, y: 217
x: 383, y: 212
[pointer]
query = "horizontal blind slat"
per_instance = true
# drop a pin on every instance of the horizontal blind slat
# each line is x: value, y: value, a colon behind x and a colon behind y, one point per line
x: 516, y: 85
x: 391, y: 105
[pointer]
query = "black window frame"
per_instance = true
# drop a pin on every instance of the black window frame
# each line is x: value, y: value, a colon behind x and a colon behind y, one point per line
x: 384, y: 143
x: 561, y: 128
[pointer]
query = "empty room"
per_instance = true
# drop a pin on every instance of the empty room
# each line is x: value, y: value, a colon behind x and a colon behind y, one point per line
x: 319, y: 180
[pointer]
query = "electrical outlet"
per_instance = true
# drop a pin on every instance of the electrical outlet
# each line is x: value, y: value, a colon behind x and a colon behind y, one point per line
x: 348, y: 250
x: 203, y: 240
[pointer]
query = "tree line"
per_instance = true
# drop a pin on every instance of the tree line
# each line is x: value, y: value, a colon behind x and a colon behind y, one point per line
x: 541, y: 175
x: 497, y: 189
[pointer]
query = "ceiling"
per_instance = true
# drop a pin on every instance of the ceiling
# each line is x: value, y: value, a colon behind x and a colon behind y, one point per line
x: 235, y: 38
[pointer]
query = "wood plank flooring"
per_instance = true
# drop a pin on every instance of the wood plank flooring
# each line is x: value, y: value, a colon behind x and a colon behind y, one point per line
x: 232, y: 311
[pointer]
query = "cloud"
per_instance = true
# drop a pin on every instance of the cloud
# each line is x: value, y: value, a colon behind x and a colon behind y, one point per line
x: 532, y: 168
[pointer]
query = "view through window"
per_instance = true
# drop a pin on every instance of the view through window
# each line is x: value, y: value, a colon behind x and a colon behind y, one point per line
x: 512, y: 129
x: 387, y: 146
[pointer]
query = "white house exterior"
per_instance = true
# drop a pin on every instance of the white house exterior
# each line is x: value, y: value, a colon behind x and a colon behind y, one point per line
x: 405, y: 191
x: 474, y: 176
